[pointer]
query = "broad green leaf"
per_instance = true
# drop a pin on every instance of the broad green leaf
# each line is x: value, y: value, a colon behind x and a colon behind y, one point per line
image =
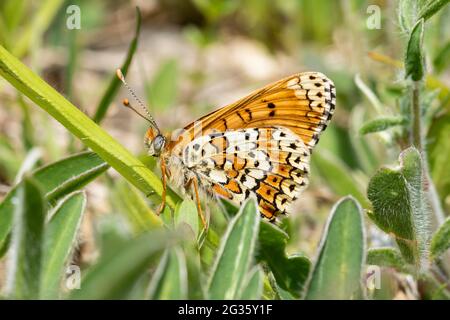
x: 25, y: 252
x: 337, y: 272
x: 81, y: 126
x: 253, y: 285
x: 337, y: 176
x: 133, y: 206
x: 56, y: 180
x: 115, y: 82
x: 400, y: 208
x: 431, y: 8
x: 60, y: 235
x: 235, y: 254
x: 387, y: 257
x: 170, y: 279
x: 441, y: 240
x: 381, y: 124
x: 414, y: 60
x: 290, y: 272
x: 439, y: 153
x: 114, y: 276
x: 186, y: 214
x: 162, y: 91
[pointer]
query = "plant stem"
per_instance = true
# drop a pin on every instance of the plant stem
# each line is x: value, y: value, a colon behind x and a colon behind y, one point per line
x: 416, y: 117
x: 438, y: 215
x: 417, y: 141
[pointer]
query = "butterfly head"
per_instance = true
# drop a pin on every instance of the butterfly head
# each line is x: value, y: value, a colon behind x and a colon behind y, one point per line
x: 155, y: 142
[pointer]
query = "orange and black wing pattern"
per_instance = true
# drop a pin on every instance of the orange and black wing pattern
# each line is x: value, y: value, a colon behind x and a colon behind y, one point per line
x: 260, y: 145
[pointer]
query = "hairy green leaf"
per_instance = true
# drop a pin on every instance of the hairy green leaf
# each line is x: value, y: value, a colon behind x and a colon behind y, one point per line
x: 169, y: 281
x: 337, y: 272
x: 414, y: 60
x: 60, y: 235
x: 235, y: 254
x: 431, y: 8
x: 400, y: 208
x: 381, y: 124
x: 25, y: 253
x: 253, y: 285
x: 56, y: 180
x: 387, y: 257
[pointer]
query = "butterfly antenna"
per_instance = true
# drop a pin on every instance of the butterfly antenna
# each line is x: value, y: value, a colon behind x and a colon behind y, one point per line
x: 127, y: 104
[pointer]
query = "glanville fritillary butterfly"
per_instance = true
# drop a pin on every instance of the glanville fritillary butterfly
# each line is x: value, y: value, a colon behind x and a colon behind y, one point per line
x: 260, y: 145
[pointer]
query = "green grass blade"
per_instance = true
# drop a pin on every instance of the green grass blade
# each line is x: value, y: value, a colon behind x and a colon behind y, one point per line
x: 235, y: 254
x: 170, y: 279
x: 81, y: 126
x: 56, y: 180
x: 24, y: 265
x: 60, y: 235
x: 337, y: 273
x: 115, y: 83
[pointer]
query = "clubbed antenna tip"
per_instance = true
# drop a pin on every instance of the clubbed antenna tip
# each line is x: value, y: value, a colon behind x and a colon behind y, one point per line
x: 120, y: 74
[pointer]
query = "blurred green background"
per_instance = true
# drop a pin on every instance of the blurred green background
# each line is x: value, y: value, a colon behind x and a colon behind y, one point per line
x: 194, y: 56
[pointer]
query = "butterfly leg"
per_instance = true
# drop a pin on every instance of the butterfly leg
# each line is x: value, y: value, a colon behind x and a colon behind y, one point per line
x: 164, y: 182
x: 197, y: 199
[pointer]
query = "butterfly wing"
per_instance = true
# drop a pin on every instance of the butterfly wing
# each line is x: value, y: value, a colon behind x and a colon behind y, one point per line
x: 271, y: 163
x: 303, y: 103
x: 261, y: 144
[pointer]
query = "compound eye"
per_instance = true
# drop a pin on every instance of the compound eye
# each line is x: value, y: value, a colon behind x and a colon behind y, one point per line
x: 158, y: 143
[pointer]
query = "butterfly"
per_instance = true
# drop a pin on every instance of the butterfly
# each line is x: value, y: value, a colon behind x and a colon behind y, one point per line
x: 259, y: 146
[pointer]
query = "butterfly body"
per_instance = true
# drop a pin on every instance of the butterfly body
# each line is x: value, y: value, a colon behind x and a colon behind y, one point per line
x: 260, y: 145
